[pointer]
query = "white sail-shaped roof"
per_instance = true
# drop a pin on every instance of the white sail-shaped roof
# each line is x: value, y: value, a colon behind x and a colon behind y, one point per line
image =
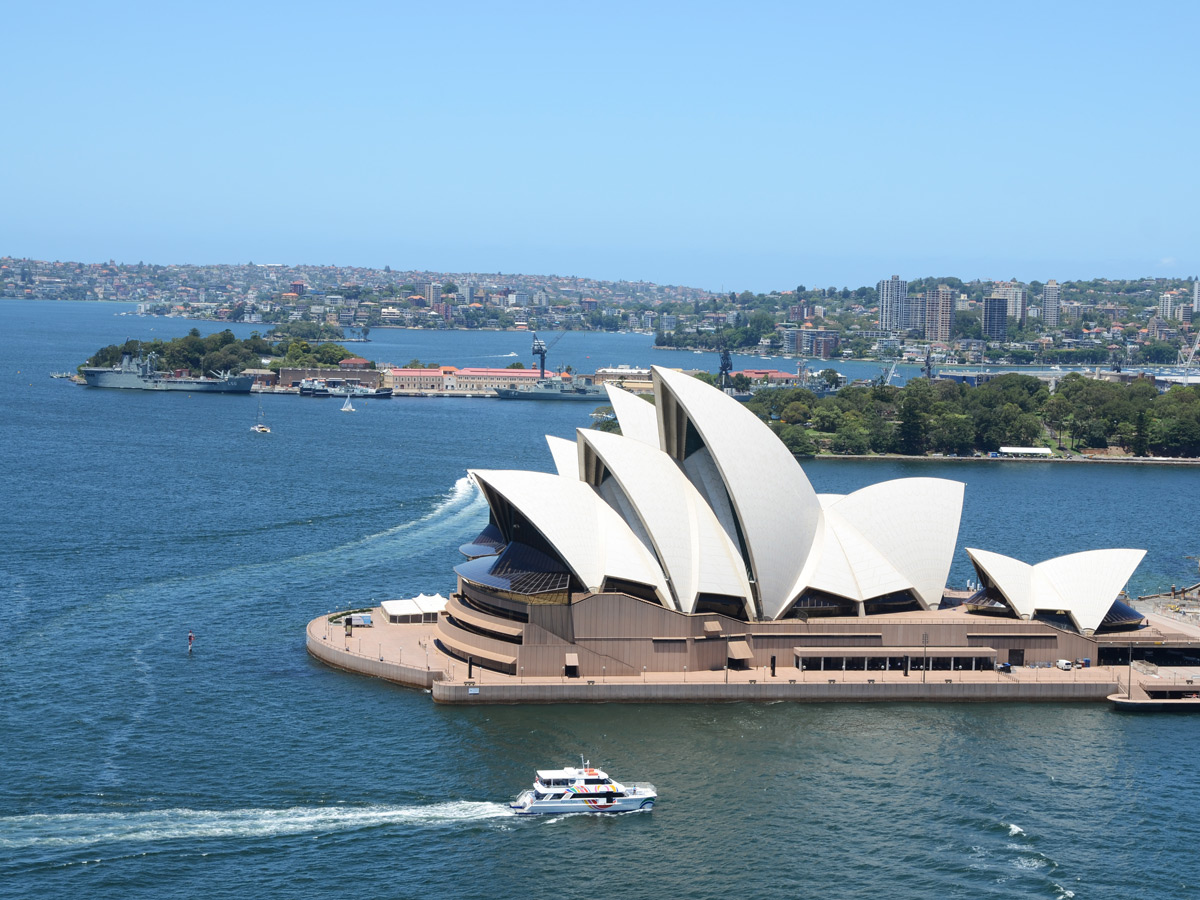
x: 775, y: 506
x: 1082, y: 585
x: 565, y: 455
x: 637, y: 418
x: 850, y: 566
x: 690, y: 543
x: 912, y: 523
x: 589, y: 536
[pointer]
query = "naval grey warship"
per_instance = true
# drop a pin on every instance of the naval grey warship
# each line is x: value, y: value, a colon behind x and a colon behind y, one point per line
x: 139, y: 374
x: 553, y: 388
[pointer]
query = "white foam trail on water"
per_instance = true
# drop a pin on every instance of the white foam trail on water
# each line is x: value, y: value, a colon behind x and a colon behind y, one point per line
x: 71, y: 830
x: 461, y: 502
x: 114, y: 745
x: 1014, y: 830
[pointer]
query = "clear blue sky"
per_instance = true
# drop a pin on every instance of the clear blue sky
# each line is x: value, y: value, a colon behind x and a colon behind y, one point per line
x: 747, y: 145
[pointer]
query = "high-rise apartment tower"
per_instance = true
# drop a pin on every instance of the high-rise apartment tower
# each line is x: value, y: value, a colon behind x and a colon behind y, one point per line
x: 1051, y: 303
x: 893, y: 297
x: 939, y: 313
x: 995, y: 318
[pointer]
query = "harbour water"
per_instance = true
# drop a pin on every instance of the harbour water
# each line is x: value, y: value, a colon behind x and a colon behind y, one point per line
x: 133, y: 769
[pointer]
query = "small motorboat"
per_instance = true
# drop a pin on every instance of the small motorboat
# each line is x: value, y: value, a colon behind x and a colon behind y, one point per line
x: 583, y: 790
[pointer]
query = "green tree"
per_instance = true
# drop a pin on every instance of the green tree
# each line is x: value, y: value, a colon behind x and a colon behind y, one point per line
x: 826, y: 418
x: 797, y: 440
x: 853, y: 440
x: 795, y: 413
x: 1054, y: 414
x: 912, y: 433
x: 1141, y: 439
x: 952, y: 433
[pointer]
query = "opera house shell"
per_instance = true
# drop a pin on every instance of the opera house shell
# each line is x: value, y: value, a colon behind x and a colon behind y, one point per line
x: 694, y: 538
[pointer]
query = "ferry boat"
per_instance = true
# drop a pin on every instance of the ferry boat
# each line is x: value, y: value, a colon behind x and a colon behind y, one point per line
x: 571, y: 790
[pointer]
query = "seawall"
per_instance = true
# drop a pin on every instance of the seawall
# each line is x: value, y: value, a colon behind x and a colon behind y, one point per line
x: 319, y: 646
x: 708, y: 692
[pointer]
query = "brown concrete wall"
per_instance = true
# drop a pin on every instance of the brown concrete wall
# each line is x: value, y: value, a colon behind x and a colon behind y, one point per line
x: 582, y: 692
x: 615, y: 634
x: 365, y: 665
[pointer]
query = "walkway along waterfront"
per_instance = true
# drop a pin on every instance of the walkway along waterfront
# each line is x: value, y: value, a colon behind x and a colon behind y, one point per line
x: 407, y: 655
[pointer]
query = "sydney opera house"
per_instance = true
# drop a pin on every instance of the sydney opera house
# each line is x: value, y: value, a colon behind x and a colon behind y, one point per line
x: 693, y: 540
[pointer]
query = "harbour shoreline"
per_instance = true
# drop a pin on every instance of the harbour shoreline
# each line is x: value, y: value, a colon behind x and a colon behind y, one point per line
x: 381, y: 650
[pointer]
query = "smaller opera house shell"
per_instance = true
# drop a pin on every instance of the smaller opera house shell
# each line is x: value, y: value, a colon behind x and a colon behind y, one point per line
x: 694, y: 540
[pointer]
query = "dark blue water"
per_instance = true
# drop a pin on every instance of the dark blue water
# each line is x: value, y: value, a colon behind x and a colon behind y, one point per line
x: 130, y: 769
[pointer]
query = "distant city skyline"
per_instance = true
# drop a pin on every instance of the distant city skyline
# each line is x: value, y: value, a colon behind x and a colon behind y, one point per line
x: 723, y: 148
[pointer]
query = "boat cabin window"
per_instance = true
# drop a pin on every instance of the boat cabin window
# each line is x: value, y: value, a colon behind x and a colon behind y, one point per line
x: 593, y: 781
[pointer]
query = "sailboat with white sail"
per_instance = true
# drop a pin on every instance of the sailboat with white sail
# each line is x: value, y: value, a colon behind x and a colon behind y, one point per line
x: 260, y: 425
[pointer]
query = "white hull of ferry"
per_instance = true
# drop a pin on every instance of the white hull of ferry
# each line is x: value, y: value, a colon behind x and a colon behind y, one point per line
x: 586, y: 790
x: 527, y: 805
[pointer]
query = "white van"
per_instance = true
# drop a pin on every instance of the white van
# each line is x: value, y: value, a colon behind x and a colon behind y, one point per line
x: 1065, y: 665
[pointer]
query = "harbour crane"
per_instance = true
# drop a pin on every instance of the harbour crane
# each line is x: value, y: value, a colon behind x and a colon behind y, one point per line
x: 541, y: 348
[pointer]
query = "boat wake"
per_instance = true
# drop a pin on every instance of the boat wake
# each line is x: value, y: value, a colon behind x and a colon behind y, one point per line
x: 453, y: 513
x: 78, y: 830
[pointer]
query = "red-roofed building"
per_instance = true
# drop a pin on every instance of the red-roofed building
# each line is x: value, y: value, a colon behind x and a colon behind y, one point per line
x: 481, y: 379
x: 769, y: 376
x: 417, y: 379
x: 354, y: 362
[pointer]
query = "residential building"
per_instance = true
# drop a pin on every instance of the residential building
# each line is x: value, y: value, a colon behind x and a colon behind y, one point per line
x: 820, y: 342
x: 912, y: 313
x: 433, y: 294
x: 995, y: 318
x: 789, y: 336
x: 893, y: 296
x: 1016, y: 297
x: 1051, y: 303
x: 1166, y: 306
x: 939, y: 313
